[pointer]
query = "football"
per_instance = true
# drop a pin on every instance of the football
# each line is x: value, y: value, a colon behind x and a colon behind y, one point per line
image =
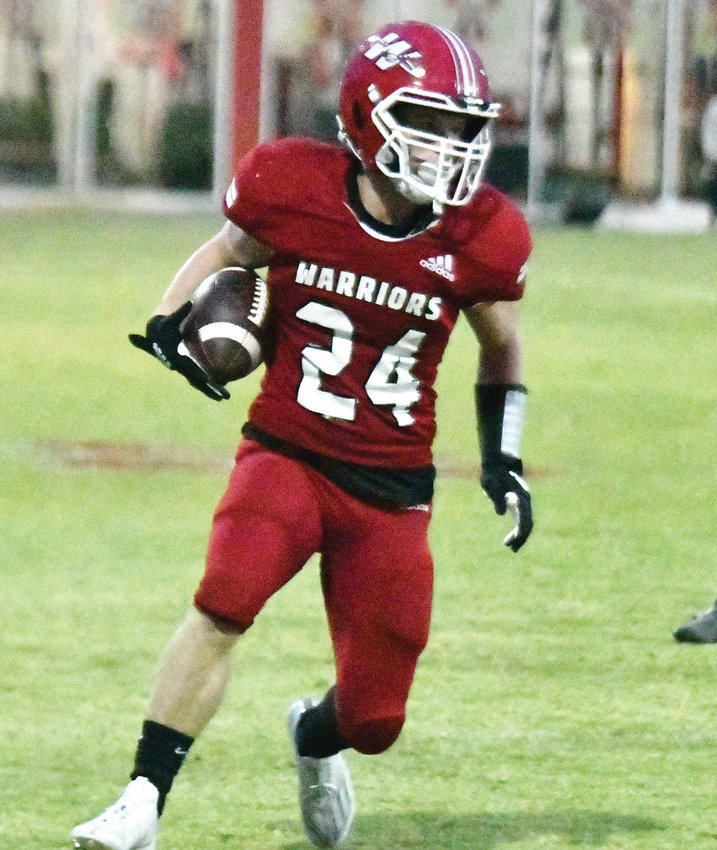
x: 226, y: 329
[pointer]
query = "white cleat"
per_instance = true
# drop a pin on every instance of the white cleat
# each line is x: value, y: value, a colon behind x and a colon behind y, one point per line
x: 326, y: 794
x: 130, y: 824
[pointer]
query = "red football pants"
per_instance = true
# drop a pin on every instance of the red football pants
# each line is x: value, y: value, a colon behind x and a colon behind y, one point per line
x: 376, y: 576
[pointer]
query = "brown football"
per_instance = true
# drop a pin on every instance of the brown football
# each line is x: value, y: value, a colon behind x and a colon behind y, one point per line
x: 226, y: 329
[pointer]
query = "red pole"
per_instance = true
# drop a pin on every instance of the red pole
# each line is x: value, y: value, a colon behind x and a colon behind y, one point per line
x: 247, y: 76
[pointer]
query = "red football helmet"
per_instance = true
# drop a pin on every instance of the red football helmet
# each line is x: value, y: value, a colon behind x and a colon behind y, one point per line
x: 414, y: 64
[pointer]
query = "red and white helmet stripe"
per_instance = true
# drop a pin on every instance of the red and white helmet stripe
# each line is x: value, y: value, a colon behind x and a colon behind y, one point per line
x: 466, y: 77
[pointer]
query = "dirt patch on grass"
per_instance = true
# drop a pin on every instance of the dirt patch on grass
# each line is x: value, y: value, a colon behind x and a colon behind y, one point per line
x: 106, y: 455
x: 147, y: 456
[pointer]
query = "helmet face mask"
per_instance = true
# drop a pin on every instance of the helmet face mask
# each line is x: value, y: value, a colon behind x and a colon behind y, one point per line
x: 416, y: 106
x: 426, y: 161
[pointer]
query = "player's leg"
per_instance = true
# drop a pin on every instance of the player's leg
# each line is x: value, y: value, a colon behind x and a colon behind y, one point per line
x: 377, y: 575
x: 265, y: 528
x: 192, y: 674
x: 190, y: 682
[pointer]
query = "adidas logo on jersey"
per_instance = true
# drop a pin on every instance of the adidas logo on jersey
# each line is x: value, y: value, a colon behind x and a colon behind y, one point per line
x: 442, y: 265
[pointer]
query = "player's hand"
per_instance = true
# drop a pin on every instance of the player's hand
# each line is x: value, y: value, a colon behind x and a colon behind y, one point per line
x: 505, y: 486
x: 163, y: 340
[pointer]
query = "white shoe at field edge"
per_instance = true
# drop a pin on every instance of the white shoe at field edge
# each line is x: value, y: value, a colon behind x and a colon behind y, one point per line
x: 129, y: 824
x: 326, y: 794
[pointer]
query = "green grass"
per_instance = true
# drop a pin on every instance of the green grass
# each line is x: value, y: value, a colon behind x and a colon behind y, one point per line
x: 551, y: 709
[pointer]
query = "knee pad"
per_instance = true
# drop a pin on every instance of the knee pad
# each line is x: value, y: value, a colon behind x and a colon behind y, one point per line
x: 375, y: 736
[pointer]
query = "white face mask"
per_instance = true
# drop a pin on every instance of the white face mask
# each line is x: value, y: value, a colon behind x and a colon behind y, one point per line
x: 424, y: 164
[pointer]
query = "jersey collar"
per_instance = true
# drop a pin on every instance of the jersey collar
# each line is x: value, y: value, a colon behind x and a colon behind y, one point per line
x: 420, y: 221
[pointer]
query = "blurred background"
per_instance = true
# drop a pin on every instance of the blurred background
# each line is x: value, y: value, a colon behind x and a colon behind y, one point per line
x: 603, y: 99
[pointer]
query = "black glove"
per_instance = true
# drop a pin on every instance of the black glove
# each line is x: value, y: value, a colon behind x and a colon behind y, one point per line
x: 162, y: 339
x: 503, y: 483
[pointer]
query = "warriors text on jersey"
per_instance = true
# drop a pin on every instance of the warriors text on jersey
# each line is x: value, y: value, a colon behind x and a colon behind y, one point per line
x: 363, y: 316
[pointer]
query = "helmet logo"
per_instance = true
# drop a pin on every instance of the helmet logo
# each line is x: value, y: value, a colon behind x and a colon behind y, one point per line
x: 389, y: 51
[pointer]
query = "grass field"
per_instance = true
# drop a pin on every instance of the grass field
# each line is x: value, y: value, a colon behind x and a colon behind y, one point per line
x: 551, y: 709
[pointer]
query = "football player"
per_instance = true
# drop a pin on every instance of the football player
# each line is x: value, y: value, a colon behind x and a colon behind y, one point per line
x: 373, y: 250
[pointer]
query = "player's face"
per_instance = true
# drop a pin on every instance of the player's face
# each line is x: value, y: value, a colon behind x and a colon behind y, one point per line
x: 429, y: 123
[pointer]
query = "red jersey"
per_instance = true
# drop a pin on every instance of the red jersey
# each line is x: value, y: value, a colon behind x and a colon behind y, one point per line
x: 363, y: 316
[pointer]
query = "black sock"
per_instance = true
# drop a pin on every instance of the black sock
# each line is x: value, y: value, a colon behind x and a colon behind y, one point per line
x: 160, y: 753
x: 317, y: 734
